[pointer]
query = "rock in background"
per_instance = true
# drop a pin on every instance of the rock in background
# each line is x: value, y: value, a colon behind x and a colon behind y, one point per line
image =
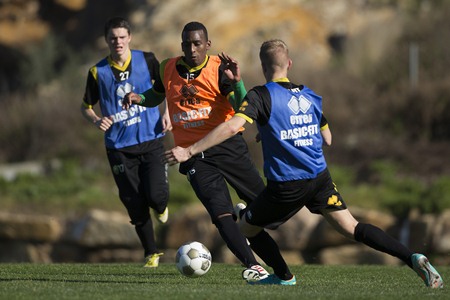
x: 100, y: 237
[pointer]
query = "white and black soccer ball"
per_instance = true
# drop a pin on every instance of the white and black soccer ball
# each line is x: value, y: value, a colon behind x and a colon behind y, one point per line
x: 193, y: 259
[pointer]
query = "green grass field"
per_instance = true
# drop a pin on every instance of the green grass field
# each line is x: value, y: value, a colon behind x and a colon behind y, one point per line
x: 223, y: 281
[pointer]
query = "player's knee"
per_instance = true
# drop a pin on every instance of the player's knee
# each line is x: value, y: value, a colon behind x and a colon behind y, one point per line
x: 159, y: 196
x: 224, y: 215
x: 137, y: 224
x: 247, y: 229
x: 139, y: 220
x: 140, y: 223
x: 342, y: 221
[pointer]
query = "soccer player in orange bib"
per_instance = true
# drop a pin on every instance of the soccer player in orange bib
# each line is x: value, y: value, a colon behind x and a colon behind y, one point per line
x: 202, y: 93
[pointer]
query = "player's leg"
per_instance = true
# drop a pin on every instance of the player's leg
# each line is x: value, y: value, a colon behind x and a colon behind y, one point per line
x: 267, y: 249
x: 212, y: 190
x: 344, y: 222
x: 274, y: 206
x: 335, y: 212
x: 239, y: 170
x: 330, y: 204
x: 260, y: 241
x: 154, y: 182
x: 377, y: 239
x: 125, y: 170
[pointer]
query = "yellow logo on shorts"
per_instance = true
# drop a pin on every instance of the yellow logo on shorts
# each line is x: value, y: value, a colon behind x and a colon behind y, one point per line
x: 334, y: 201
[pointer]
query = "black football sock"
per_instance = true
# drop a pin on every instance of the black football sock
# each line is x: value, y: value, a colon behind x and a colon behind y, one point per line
x: 377, y: 239
x: 147, y: 237
x: 236, y: 242
x: 266, y: 248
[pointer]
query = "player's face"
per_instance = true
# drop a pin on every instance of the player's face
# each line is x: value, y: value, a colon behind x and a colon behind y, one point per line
x: 118, y: 40
x: 194, y: 46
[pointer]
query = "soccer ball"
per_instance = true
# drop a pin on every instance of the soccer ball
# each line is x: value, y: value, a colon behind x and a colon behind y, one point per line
x: 193, y: 259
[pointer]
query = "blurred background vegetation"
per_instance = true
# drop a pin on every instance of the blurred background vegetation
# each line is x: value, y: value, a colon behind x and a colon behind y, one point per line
x: 381, y: 67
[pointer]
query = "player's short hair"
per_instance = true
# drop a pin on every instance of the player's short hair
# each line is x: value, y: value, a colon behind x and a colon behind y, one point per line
x: 274, y: 53
x: 116, y: 22
x: 194, y: 26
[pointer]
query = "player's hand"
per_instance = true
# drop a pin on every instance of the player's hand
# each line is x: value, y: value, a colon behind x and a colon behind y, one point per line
x: 104, y: 123
x: 129, y: 99
x: 230, y: 67
x: 176, y: 155
x: 166, y: 123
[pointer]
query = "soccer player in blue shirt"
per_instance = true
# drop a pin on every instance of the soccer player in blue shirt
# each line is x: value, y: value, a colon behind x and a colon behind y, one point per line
x: 132, y: 137
x: 289, y: 118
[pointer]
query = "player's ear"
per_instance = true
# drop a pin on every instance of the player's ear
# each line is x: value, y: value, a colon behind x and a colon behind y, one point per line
x: 289, y: 64
x: 208, y: 44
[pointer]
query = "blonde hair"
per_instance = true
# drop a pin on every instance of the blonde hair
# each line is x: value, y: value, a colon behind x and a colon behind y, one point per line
x: 274, y: 54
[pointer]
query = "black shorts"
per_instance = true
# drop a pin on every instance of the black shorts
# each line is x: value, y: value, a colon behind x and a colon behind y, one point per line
x: 141, y: 177
x: 210, y: 171
x: 281, y: 200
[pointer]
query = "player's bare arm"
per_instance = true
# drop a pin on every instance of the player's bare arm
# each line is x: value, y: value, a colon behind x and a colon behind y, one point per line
x: 102, y: 123
x: 326, y: 136
x: 166, y: 122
